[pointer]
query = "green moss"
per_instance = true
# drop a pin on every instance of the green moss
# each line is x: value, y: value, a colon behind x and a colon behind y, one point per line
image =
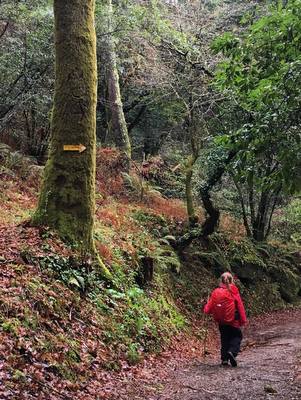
x: 133, y: 356
x: 29, y: 320
x: 112, y: 365
x: 65, y: 371
x: 11, y: 325
x: 262, y: 297
x: 18, y: 375
x: 288, y: 280
x: 117, y: 125
x: 35, y: 285
x: 67, y: 198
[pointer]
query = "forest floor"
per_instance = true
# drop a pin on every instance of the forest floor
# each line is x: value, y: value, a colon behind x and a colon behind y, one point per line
x: 55, y: 344
x: 269, y: 368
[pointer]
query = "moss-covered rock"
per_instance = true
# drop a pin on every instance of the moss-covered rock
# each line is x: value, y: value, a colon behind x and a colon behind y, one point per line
x: 270, y: 276
x: 249, y: 273
x: 288, y: 280
x: 262, y: 297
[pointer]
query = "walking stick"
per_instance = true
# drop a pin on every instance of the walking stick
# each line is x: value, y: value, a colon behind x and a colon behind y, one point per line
x: 205, y: 323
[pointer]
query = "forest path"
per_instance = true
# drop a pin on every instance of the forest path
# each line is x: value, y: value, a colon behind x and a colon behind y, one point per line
x: 269, y: 368
x: 266, y: 370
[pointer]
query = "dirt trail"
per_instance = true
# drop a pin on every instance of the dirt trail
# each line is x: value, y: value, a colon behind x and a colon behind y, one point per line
x: 269, y: 368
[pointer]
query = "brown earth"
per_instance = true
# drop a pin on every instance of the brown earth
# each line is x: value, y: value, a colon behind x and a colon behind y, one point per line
x: 269, y: 368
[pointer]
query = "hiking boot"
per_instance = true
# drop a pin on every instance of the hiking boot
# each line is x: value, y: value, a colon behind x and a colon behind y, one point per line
x: 224, y: 363
x: 232, y: 360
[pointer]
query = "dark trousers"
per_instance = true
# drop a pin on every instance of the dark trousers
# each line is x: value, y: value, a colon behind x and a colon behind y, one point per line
x: 230, y: 340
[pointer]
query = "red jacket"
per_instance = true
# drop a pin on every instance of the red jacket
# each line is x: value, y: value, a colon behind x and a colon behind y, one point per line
x: 217, y: 293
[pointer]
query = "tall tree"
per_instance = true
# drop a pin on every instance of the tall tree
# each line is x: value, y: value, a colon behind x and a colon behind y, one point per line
x: 26, y: 75
x: 67, y: 198
x: 117, y: 127
x: 263, y: 78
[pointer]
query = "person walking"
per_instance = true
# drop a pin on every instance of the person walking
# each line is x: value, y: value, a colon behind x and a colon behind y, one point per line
x: 227, y: 309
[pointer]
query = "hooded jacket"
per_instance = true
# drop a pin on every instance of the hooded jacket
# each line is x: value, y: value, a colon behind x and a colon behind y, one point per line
x: 220, y: 292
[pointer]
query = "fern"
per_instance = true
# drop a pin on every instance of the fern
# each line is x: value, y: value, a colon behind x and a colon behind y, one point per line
x: 167, y: 239
x: 139, y: 186
x: 15, y: 161
x: 264, y: 249
x: 4, y: 150
x: 164, y: 255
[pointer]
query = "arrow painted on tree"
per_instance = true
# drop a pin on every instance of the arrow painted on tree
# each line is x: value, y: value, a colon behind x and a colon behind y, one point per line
x: 74, y: 147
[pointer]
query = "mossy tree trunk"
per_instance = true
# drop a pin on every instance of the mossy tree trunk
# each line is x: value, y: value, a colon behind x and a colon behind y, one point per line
x: 213, y: 213
x: 67, y: 197
x: 192, y: 217
x: 195, y: 136
x: 117, y: 127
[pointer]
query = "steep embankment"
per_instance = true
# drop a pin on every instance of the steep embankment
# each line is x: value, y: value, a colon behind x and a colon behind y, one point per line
x: 63, y: 329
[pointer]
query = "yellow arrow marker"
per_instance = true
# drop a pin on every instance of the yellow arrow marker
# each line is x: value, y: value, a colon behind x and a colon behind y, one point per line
x: 74, y: 147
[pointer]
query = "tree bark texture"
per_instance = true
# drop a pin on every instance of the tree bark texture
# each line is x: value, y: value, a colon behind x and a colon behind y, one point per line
x: 243, y: 206
x: 67, y: 198
x: 213, y: 213
x: 117, y: 128
x: 188, y: 191
x: 194, y: 136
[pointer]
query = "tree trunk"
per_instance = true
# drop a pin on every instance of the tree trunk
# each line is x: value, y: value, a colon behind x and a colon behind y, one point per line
x: 118, y: 131
x: 251, y: 198
x: 212, y: 219
x: 243, y: 206
x: 195, y: 137
x: 67, y: 197
x: 192, y: 217
x: 215, y: 176
x: 261, y: 217
x: 275, y: 201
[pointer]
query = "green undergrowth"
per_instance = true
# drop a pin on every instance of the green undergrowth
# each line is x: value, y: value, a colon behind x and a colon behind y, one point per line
x: 56, y: 310
x: 57, y: 315
x: 45, y: 319
x: 269, y: 276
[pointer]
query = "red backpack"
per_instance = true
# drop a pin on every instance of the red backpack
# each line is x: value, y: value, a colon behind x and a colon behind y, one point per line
x: 223, y: 306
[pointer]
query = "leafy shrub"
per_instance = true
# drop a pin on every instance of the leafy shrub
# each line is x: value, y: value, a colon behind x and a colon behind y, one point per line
x: 155, y: 223
x: 14, y: 161
x: 75, y: 273
x: 133, y: 355
x: 287, y: 224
